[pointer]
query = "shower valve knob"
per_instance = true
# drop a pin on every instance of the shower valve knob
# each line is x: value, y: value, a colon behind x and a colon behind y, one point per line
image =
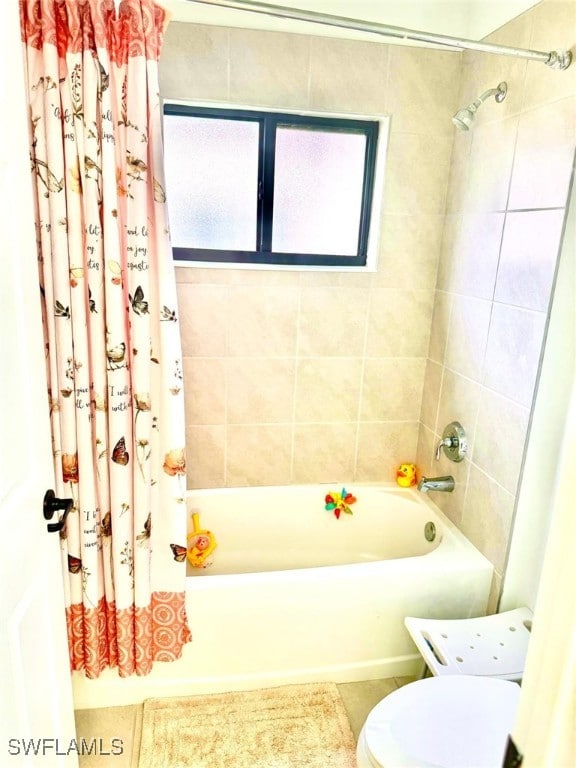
x: 453, y: 442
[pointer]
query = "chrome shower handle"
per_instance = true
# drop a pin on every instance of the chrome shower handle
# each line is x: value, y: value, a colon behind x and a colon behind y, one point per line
x: 453, y: 442
x: 445, y: 442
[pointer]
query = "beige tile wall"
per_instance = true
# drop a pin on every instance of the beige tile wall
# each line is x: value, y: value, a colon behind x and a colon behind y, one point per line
x: 314, y: 376
x: 505, y: 208
x: 311, y: 377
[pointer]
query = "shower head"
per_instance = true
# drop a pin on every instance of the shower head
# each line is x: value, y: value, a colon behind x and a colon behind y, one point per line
x: 464, y: 118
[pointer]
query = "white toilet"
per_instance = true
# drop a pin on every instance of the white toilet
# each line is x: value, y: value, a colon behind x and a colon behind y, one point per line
x: 456, y: 721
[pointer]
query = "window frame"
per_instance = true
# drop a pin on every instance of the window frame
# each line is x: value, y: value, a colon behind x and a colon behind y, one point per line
x: 268, y: 122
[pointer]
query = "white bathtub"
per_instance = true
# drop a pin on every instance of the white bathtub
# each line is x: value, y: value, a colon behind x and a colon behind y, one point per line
x: 295, y: 595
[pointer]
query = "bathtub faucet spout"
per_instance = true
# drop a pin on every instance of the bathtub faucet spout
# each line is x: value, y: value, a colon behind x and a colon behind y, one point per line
x: 436, y: 484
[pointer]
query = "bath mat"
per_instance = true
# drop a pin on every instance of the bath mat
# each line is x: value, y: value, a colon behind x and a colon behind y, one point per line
x: 293, y: 726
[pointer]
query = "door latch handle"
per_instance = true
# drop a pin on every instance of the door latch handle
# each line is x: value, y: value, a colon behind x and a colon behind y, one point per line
x: 51, y: 505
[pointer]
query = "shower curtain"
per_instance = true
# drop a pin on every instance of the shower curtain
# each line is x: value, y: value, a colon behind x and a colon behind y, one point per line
x: 111, y: 328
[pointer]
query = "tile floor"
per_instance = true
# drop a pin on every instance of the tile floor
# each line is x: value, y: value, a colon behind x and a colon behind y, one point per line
x: 126, y: 722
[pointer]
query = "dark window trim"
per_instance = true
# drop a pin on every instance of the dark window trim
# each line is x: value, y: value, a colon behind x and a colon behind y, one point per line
x: 268, y: 123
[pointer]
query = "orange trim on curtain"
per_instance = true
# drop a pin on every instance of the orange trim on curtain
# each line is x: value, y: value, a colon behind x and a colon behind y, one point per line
x: 105, y: 637
x: 73, y: 26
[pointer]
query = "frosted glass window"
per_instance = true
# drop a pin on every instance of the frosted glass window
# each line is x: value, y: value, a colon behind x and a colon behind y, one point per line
x: 252, y: 187
x: 318, y: 184
x: 211, y: 170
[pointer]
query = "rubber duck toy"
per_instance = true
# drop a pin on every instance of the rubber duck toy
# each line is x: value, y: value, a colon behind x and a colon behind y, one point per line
x: 406, y: 475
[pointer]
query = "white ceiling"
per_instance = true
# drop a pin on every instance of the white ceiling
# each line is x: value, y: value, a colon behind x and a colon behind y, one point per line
x: 472, y: 19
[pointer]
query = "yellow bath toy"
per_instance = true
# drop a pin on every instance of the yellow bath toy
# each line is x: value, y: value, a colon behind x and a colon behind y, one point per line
x: 406, y: 475
x: 201, y: 544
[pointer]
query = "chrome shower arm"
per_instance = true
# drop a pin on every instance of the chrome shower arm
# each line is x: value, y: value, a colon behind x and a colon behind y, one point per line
x: 473, y: 107
x: 486, y: 95
x: 499, y: 93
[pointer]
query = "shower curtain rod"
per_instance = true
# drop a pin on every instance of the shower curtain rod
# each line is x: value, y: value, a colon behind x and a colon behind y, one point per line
x: 553, y: 59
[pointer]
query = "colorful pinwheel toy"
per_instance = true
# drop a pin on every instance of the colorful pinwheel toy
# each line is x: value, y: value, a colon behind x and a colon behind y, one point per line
x: 339, y: 502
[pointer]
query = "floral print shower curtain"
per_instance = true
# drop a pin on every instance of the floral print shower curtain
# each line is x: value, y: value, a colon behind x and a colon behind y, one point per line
x: 111, y: 326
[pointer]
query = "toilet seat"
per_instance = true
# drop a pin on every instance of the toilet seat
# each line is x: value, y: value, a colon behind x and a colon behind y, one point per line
x: 441, y: 722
